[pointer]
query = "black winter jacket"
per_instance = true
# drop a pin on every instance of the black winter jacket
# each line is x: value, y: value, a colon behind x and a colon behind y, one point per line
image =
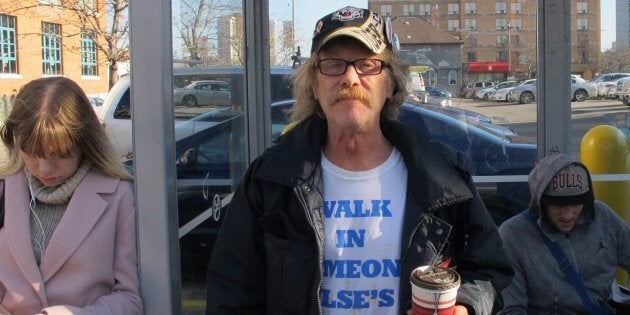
x: 268, y: 256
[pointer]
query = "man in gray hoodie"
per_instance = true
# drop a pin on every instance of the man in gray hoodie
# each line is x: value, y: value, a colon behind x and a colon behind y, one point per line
x: 593, y: 237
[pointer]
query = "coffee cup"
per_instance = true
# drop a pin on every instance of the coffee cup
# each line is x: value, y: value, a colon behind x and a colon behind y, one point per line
x: 434, y: 290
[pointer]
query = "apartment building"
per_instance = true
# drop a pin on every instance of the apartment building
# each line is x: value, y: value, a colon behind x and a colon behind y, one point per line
x: 40, y: 38
x: 499, y: 36
x: 622, y: 24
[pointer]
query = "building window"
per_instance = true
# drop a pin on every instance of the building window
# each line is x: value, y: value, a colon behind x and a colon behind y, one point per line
x: 518, y: 40
x: 408, y: 9
x: 453, y: 25
x: 582, y: 39
x: 501, y: 24
x: 425, y: 9
x: 453, y: 8
x: 470, y: 7
x: 502, y: 56
x: 8, y: 45
x: 582, y: 7
x: 471, y: 24
x: 87, y: 6
x: 501, y: 40
x: 500, y: 7
x: 582, y: 24
x: 471, y: 41
x: 516, y: 24
x: 51, y: 48
x: 386, y: 9
x: 516, y: 8
x: 88, y: 53
x: 472, y: 56
x: 584, y: 56
x: 452, y: 77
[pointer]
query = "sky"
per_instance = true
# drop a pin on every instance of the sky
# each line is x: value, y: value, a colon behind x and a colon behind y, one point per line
x: 608, y: 26
x: 307, y: 12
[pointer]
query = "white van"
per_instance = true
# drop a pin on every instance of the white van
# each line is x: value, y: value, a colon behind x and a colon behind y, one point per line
x: 115, y: 113
x: 416, y: 86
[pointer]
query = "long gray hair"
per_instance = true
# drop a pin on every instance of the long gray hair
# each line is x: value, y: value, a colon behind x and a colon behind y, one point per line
x: 304, y: 80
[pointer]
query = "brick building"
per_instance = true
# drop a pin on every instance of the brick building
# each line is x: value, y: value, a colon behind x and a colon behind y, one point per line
x: 500, y: 35
x: 40, y: 38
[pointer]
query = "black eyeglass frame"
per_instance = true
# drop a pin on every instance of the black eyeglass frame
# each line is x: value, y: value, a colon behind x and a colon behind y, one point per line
x: 383, y: 64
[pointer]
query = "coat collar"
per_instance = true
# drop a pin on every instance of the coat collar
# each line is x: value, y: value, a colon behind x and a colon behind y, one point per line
x: 432, y: 181
x: 84, y: 209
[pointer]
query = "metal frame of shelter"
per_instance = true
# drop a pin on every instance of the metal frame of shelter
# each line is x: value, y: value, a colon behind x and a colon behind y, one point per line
x: 153, y: 134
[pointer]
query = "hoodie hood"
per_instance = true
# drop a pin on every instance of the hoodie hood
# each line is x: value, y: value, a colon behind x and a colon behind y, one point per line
x: 542, y: 175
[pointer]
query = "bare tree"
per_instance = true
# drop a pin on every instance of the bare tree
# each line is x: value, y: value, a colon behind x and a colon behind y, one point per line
x: 197, y: 23
x: 114, y: 29
x: 616, y: 60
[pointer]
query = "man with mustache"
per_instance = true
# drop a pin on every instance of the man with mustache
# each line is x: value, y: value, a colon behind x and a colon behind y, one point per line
x: 334, y: 217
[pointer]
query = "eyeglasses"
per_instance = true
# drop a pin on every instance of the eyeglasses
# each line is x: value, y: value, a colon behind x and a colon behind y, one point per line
x: 335, y: 67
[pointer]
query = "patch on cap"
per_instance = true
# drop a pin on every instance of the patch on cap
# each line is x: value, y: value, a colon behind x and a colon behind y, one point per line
x: 360, y: 24
x: 570, y: 181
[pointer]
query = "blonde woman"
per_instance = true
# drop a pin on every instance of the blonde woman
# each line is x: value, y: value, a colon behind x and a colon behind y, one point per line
x: 68, y: 244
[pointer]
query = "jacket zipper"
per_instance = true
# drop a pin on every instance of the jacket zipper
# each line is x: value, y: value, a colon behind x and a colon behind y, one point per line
x: 320, y: 255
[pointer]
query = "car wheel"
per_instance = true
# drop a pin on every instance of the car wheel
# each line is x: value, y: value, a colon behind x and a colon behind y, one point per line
x: 526, y: 97
x: 485, y: 97
x: 625, y: 101
x: 580, y: 95
x: 189, y: 101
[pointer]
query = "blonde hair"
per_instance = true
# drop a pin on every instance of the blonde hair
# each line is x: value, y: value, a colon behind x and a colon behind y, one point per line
x: 304, y: 81
x: 55, y: 114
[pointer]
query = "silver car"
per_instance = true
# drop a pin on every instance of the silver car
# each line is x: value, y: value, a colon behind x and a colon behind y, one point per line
x: 199, y: 93
x: 581, y: 90
x: 604, y: 81
x: 485, y: 94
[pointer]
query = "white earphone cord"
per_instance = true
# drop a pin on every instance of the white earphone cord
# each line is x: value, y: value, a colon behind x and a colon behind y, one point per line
x: 39, y: 243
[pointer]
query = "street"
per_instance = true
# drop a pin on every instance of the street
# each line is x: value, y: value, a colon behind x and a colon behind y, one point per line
x: 522, y: 117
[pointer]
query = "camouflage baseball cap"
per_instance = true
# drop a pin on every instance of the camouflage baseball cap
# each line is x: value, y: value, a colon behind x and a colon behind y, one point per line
x: 361, y: 24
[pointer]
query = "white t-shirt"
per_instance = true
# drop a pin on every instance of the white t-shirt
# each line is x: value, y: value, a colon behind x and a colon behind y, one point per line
x: 363, y: 225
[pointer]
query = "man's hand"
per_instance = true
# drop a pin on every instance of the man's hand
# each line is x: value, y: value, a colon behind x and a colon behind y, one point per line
x: 459, y: 310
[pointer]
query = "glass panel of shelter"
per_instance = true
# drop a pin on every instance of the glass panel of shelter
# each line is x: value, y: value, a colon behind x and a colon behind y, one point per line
x: 211, y: 132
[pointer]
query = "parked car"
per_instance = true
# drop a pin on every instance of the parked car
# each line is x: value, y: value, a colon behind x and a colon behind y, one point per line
x: 502, y: 94
x: 524, y: 92
x: 207, y: 92
x: 581, y: 90
x: 609, y: 89
x: 604, y: 80
x: 622, y: 92
x: 435, y: 92
x: 469, y: 89
x: 484, y: 94
x: 116, y: 109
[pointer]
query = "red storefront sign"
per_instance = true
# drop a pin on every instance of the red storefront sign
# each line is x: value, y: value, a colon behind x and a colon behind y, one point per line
x: 484, y: 67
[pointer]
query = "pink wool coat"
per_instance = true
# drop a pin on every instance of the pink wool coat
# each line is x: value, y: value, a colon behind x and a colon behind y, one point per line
x: 90, y: 264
